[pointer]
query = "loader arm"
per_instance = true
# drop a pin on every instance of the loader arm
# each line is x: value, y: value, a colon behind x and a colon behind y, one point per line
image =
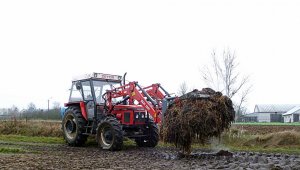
x: 154, y: 91
x: 133, y: 91
x: 157, y: 92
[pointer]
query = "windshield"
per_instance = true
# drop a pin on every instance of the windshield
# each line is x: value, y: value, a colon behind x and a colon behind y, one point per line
x: 100, y: 88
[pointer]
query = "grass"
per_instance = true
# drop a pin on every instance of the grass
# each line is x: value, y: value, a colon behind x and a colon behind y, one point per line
x: 277, y: 142
x: 31, y: 128
x: 32, y: 139
x: 240, y: 143
x: 11, y: 150
x: 268, y: 123
x: 236, y: 139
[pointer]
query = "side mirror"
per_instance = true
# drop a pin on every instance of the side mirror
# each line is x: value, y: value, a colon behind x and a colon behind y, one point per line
x: 78, y: 86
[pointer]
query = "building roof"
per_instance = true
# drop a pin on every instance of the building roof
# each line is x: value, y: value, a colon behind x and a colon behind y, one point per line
x: 293, y: 110
x: 273, y: 108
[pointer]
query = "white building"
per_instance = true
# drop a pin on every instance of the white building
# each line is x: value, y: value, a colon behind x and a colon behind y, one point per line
x: 292, y: 115
x: 275, y: 113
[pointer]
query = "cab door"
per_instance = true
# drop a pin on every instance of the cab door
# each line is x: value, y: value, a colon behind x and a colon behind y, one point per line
x: 88, y: 97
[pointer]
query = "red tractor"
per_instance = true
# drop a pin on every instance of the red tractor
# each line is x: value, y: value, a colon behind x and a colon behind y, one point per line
x: 101, y: 105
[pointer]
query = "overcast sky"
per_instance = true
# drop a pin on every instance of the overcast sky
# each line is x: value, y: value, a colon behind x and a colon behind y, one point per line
x: 44, y: 44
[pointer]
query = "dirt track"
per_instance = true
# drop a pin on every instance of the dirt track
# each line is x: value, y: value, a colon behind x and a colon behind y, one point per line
x: 41, y: 156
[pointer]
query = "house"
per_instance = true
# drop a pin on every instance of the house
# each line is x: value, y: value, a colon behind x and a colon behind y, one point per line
x: 274, y: 113
x: 3, y: 111
x: 292, y: 115
x: 251, y: 117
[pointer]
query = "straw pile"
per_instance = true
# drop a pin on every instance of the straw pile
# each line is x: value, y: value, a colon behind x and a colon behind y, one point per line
x: 196, y: 117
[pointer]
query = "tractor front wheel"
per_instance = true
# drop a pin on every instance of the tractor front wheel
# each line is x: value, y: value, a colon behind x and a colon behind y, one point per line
x: 151, y: 138
x: 110, y: 134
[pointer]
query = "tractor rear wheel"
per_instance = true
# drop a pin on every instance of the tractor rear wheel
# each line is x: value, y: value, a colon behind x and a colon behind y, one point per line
x: 151, y: 140
x: 73, y: 126
x: 110, y: 134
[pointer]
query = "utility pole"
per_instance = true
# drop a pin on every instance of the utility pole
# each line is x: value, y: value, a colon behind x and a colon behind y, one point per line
x: 48, y: 107
x: 48, y: 104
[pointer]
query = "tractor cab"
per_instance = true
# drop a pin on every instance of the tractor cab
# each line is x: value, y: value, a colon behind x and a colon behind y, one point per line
x: 88, y: 90
x: 93, y: 87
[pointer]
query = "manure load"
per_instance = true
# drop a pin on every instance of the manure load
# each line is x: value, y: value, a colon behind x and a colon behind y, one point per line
x: 196, y: 117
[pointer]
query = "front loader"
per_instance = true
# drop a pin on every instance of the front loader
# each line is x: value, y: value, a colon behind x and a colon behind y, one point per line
x: 102, y: 106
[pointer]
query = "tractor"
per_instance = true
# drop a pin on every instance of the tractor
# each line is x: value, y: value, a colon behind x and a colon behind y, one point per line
x: 102, y: 105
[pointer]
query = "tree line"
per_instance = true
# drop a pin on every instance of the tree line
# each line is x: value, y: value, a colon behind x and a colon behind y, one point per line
x: 31, y: 112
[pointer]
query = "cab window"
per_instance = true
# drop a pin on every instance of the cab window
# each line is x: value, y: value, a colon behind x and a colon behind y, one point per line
x: 86, y: 89
x: 75, y: 94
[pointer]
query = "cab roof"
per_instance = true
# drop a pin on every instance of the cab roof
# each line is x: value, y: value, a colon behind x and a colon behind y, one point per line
x: 99, y: 77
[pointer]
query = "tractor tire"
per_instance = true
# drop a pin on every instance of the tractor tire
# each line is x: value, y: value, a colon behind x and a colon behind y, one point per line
x: 152, y: 138
x: 73, y: 127
x: 110, y: 134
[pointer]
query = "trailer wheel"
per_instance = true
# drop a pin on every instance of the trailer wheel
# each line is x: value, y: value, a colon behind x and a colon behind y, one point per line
x: 152, y: 138
x: 73, y: 126
x: 110, y: 134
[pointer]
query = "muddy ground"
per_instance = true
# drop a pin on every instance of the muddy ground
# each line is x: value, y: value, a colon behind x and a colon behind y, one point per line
x: 58, y: 156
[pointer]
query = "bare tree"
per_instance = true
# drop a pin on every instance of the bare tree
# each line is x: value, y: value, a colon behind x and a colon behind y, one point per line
x: 56, y: 105
x: 183, y: 88
x: 223, y: 75
x: 31, y: 107
x: 13, y: 111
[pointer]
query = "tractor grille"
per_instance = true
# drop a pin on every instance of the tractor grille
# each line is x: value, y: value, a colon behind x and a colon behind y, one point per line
x: 139, y: 117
